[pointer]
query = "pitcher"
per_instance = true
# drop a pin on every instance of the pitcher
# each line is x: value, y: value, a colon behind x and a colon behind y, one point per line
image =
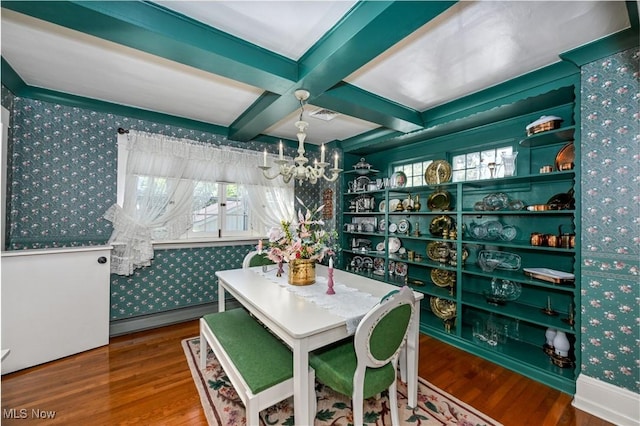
x: 509, y: 163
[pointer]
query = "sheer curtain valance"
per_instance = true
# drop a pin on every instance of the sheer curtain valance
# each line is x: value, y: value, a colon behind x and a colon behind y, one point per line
x: 156, y: 198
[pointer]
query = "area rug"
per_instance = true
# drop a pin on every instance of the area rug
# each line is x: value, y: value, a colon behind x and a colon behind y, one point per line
x: 223, y: 407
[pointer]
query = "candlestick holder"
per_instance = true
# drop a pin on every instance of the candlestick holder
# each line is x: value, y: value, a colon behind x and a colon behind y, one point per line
x: 330, y: 282
x: 280, y: 270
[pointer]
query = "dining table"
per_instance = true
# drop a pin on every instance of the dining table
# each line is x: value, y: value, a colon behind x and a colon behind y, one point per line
x: 307, y: 317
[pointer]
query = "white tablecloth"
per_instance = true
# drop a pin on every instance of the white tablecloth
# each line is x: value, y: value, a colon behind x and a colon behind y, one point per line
x: 348, y: 303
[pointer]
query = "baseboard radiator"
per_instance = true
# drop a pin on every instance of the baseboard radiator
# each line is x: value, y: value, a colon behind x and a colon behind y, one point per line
x: 55, y: 303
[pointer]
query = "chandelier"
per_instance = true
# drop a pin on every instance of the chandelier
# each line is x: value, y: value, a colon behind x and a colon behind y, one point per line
x: 299, y: 169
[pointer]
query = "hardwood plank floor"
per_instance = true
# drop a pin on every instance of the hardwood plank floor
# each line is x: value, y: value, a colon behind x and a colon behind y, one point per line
x: 143, y: 379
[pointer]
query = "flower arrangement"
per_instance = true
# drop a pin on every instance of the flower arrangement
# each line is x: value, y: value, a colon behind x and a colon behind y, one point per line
x: 304, y: 240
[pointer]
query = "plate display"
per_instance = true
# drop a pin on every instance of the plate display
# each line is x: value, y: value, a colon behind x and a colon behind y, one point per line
x: 443, y: 308
x: 403, y: 226
x: 380, y: 246
x: 382, y: 207
x: 401, y: 269
x: 437, y: 251
x: 367, y: 263
x: 393, y: 228
x: 392, y: 267
x: 438, y: 172
x: 357, y: 261
x: 439, y: 200
x: 394, y: 244
x: 382, y: 225
x: 398, y: 180
x: 443, y: 278
x: 439, y: 224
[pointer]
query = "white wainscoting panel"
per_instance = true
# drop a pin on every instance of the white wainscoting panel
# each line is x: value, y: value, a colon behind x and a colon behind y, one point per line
x: 55, y: 303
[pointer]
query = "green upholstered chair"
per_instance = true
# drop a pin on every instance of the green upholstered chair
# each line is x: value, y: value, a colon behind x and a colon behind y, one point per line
x: 254, y: 258
x: 365, y: 366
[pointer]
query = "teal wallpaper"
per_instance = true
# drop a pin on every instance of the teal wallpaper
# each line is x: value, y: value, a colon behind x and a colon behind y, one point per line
x: 611, y: 220
x: 62, y: 177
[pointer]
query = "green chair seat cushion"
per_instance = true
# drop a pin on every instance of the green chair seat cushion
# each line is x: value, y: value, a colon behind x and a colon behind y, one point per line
x: 262, y: 359
x: 260, y: 260
x: 336, y: 365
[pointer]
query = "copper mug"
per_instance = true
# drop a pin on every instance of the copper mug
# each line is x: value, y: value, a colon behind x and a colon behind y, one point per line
x: 537, y: 239
x: 552, y: 240
x: 568, y: 240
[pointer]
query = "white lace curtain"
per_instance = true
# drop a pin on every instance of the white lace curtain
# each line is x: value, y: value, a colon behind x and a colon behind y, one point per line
x: 158, y: 174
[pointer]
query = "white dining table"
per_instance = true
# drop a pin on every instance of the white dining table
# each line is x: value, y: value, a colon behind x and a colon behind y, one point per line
x: 305, y: 325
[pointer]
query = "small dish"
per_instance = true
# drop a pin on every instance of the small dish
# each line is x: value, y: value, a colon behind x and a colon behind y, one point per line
x: 380, y: 246
x: 403, y: 226
x: 357, y: 261
x: 392, y: 267
x: 378, y: 264
x: 394, y: 244
x: 382, y: 206
x: 393, y: 228
x: 367, y: 263
x: 398, y: 180
x: 382, y: 226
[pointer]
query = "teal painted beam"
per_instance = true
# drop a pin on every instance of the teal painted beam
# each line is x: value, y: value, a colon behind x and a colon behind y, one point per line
x: 607, y: 46
x: 369, y: 140
x: 368, y: 30
x: 10, y: 78
x: 355, y: 102
x: 151, y: 28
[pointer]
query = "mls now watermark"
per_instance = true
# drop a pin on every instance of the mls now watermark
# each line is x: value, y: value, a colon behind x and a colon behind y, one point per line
x: 23, y: 413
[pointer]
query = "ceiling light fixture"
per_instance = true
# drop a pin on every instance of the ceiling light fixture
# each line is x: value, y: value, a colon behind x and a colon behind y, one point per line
x: 301, y: 170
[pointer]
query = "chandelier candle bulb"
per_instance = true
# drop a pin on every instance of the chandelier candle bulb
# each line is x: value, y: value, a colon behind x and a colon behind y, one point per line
x: 265, y: 157
x: 281, y: 153
x: 322, y: 154
x: 335, y: 163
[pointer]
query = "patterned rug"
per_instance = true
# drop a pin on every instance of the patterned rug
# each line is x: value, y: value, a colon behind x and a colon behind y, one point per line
x: 223, y: 407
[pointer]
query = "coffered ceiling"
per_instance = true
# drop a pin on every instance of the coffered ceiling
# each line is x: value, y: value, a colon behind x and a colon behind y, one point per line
x: 231, y: 67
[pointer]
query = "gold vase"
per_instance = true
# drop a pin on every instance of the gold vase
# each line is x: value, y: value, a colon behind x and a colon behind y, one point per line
x: 302, y: 272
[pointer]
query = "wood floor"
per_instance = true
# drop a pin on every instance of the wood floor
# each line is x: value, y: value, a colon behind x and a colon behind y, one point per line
x: 143, y: 379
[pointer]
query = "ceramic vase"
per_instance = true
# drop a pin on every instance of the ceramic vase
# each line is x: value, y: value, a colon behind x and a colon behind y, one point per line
x: 561, y: 344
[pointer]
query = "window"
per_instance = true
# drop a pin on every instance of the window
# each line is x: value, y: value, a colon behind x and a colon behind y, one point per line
x: 414, y: 172
x: 479, y: 165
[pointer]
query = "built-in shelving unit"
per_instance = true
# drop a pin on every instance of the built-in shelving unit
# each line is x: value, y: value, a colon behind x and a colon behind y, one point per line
x: 438, y: 252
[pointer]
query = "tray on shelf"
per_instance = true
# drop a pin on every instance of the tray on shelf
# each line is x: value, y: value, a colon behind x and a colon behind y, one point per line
x: 550, y: 275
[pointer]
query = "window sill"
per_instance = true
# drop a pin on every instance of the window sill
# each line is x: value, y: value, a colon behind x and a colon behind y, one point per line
x: 196, y: 243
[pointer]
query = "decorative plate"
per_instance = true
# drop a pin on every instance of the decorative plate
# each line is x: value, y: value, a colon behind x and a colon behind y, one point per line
x: 393, y: 228
x: 439, y: 224
x: 367, y: 263
x: 437, y: 251
x: 392, y: 267
x: 357, y: 261
x: 443, y: 278
x: 398, y: 180
x: 378, y: 264
x: 401, y: 269
x: 382, y: 225
x: 403, y: 226
x: 382, y: 206
x: 380, y: 246
x: 437, y: 172
x: 393, y: 205
x: 394, y: 244
x: 439, y: 200
x: 443, y: 308
x: 406, y: 203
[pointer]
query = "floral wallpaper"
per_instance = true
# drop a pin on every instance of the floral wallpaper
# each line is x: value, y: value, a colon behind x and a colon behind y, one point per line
x: 62, y: 177
x: 611, y: 220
